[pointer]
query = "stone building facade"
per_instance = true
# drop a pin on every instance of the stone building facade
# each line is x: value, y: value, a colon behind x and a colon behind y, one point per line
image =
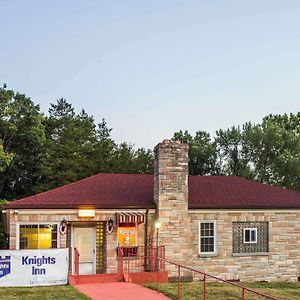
x: 226, y: 226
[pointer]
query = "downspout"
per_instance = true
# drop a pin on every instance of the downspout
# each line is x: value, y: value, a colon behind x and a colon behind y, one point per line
x: 4, y: 221
x: 146, y: 242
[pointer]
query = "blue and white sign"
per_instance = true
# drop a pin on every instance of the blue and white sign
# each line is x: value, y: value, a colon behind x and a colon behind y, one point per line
x: 33, y: 267
x: 4, y: 266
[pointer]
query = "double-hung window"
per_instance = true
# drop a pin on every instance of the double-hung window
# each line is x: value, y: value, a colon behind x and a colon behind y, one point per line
x: 207, y: 238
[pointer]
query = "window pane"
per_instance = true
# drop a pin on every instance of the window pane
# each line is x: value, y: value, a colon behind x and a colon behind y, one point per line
x: 247, y: 235
x: 207, y: 244
x: 45, y: 237
x: 253, y: 236
x: 28, y: 237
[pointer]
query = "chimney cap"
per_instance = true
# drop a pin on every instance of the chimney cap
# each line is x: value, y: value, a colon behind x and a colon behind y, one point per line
x: 166, y: 141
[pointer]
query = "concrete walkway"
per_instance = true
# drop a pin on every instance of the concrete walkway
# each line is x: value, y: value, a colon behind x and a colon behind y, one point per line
x: 118, y: 291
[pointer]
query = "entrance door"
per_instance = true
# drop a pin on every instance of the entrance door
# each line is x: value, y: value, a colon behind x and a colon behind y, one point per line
x: 84, y: 241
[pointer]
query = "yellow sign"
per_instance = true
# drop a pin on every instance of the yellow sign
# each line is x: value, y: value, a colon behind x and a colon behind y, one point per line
x: 127, y: 236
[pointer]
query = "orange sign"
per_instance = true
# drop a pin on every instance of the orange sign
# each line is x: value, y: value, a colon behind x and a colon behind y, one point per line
x: 127, y: 236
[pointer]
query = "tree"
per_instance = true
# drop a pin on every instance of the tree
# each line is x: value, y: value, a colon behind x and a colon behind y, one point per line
x: 202, y: 152
x: 275, y: 150
x: 22, y: 136
x: 232, y: 153
x: 69, y: 147
x: 104, y: 149
x: 5, y: 158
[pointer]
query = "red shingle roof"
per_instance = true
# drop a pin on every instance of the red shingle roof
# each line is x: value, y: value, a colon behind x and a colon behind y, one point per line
x: 136, y: 191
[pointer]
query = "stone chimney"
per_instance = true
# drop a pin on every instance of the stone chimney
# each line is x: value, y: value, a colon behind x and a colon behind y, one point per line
x: 171, y: 198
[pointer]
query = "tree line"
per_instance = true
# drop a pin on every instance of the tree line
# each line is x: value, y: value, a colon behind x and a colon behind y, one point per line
x: 268, y: 152
x: 39, y: 152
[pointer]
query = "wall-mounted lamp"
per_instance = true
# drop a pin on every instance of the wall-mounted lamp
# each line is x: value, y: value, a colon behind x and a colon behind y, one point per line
x: 63, y: 226
x: 157, y: 225
x: 110, y: 226
x: 15, y: 212
x: 86, y: 213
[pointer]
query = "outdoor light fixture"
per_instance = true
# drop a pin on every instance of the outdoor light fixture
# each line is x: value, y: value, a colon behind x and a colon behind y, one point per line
x: 157, y: 225
x: 63, y: 226
x: 110, y: 226
x: 88, y: 213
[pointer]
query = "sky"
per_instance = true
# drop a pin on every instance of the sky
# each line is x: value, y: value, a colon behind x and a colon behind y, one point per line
x: 151, y: 68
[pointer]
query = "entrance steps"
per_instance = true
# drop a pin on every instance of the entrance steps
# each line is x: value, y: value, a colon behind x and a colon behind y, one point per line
x: 138, y: 278
x: 95, y: 278
x: 146, y: 277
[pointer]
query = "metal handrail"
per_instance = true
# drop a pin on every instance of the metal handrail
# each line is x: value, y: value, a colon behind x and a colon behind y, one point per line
x: 220, y: 279
x: 76, y: 261
x: 163, y: 260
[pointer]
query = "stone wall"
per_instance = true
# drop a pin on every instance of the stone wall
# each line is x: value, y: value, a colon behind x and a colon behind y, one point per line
x: 282, y: 263
x: 171, y: 198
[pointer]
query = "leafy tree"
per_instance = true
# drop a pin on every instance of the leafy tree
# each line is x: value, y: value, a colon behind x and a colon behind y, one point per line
x: 232, y: 153
x: 22, y: 136
x: 143, y: 161
x: 128, y: 160
x: 275, y: 150
x: 5, y: 158
x: 202, y: 152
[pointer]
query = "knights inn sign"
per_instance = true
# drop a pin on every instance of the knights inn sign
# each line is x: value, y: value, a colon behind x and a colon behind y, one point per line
x: 33, y: 267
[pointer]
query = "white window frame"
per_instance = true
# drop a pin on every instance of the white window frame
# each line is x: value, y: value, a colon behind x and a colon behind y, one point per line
x: 251, y: 229
x: 36, y: 223
x: 215, y: 238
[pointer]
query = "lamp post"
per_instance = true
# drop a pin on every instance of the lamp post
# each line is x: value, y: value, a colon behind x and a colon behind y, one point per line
x: 157, y: 226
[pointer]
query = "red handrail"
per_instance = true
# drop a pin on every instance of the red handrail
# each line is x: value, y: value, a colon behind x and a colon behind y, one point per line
x: 163, y: 260
x: 266, y: 296
x: 76, y: 261
x: 120, y: 260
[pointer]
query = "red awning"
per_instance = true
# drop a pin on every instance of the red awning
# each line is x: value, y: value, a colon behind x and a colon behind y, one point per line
x: 130, y: 217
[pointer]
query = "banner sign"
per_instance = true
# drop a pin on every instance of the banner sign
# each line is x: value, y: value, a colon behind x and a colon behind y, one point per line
x: 33, y: 267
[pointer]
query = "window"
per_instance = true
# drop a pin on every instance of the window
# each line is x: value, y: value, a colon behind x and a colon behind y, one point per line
x: 250, y: 235
x: 207, y: 238
x: 250, y: 238
x: 38, y: 236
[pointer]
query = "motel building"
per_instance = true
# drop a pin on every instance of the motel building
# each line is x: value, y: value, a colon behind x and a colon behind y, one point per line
x: 224, y: 225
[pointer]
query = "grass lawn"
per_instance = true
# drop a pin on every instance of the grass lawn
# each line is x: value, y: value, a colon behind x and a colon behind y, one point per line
x: 194, y: 290
x: 65, y: 292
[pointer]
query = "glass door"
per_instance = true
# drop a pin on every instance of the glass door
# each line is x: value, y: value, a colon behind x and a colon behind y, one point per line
x: 84, y: 241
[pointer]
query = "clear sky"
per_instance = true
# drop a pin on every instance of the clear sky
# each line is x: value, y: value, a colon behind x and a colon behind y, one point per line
x: 153, y: 67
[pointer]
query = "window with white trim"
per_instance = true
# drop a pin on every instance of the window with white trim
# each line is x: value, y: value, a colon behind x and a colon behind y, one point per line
x: 207, y: 237
x: 250, y: 238
x: 38, y: 236
x: 250, y: 235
